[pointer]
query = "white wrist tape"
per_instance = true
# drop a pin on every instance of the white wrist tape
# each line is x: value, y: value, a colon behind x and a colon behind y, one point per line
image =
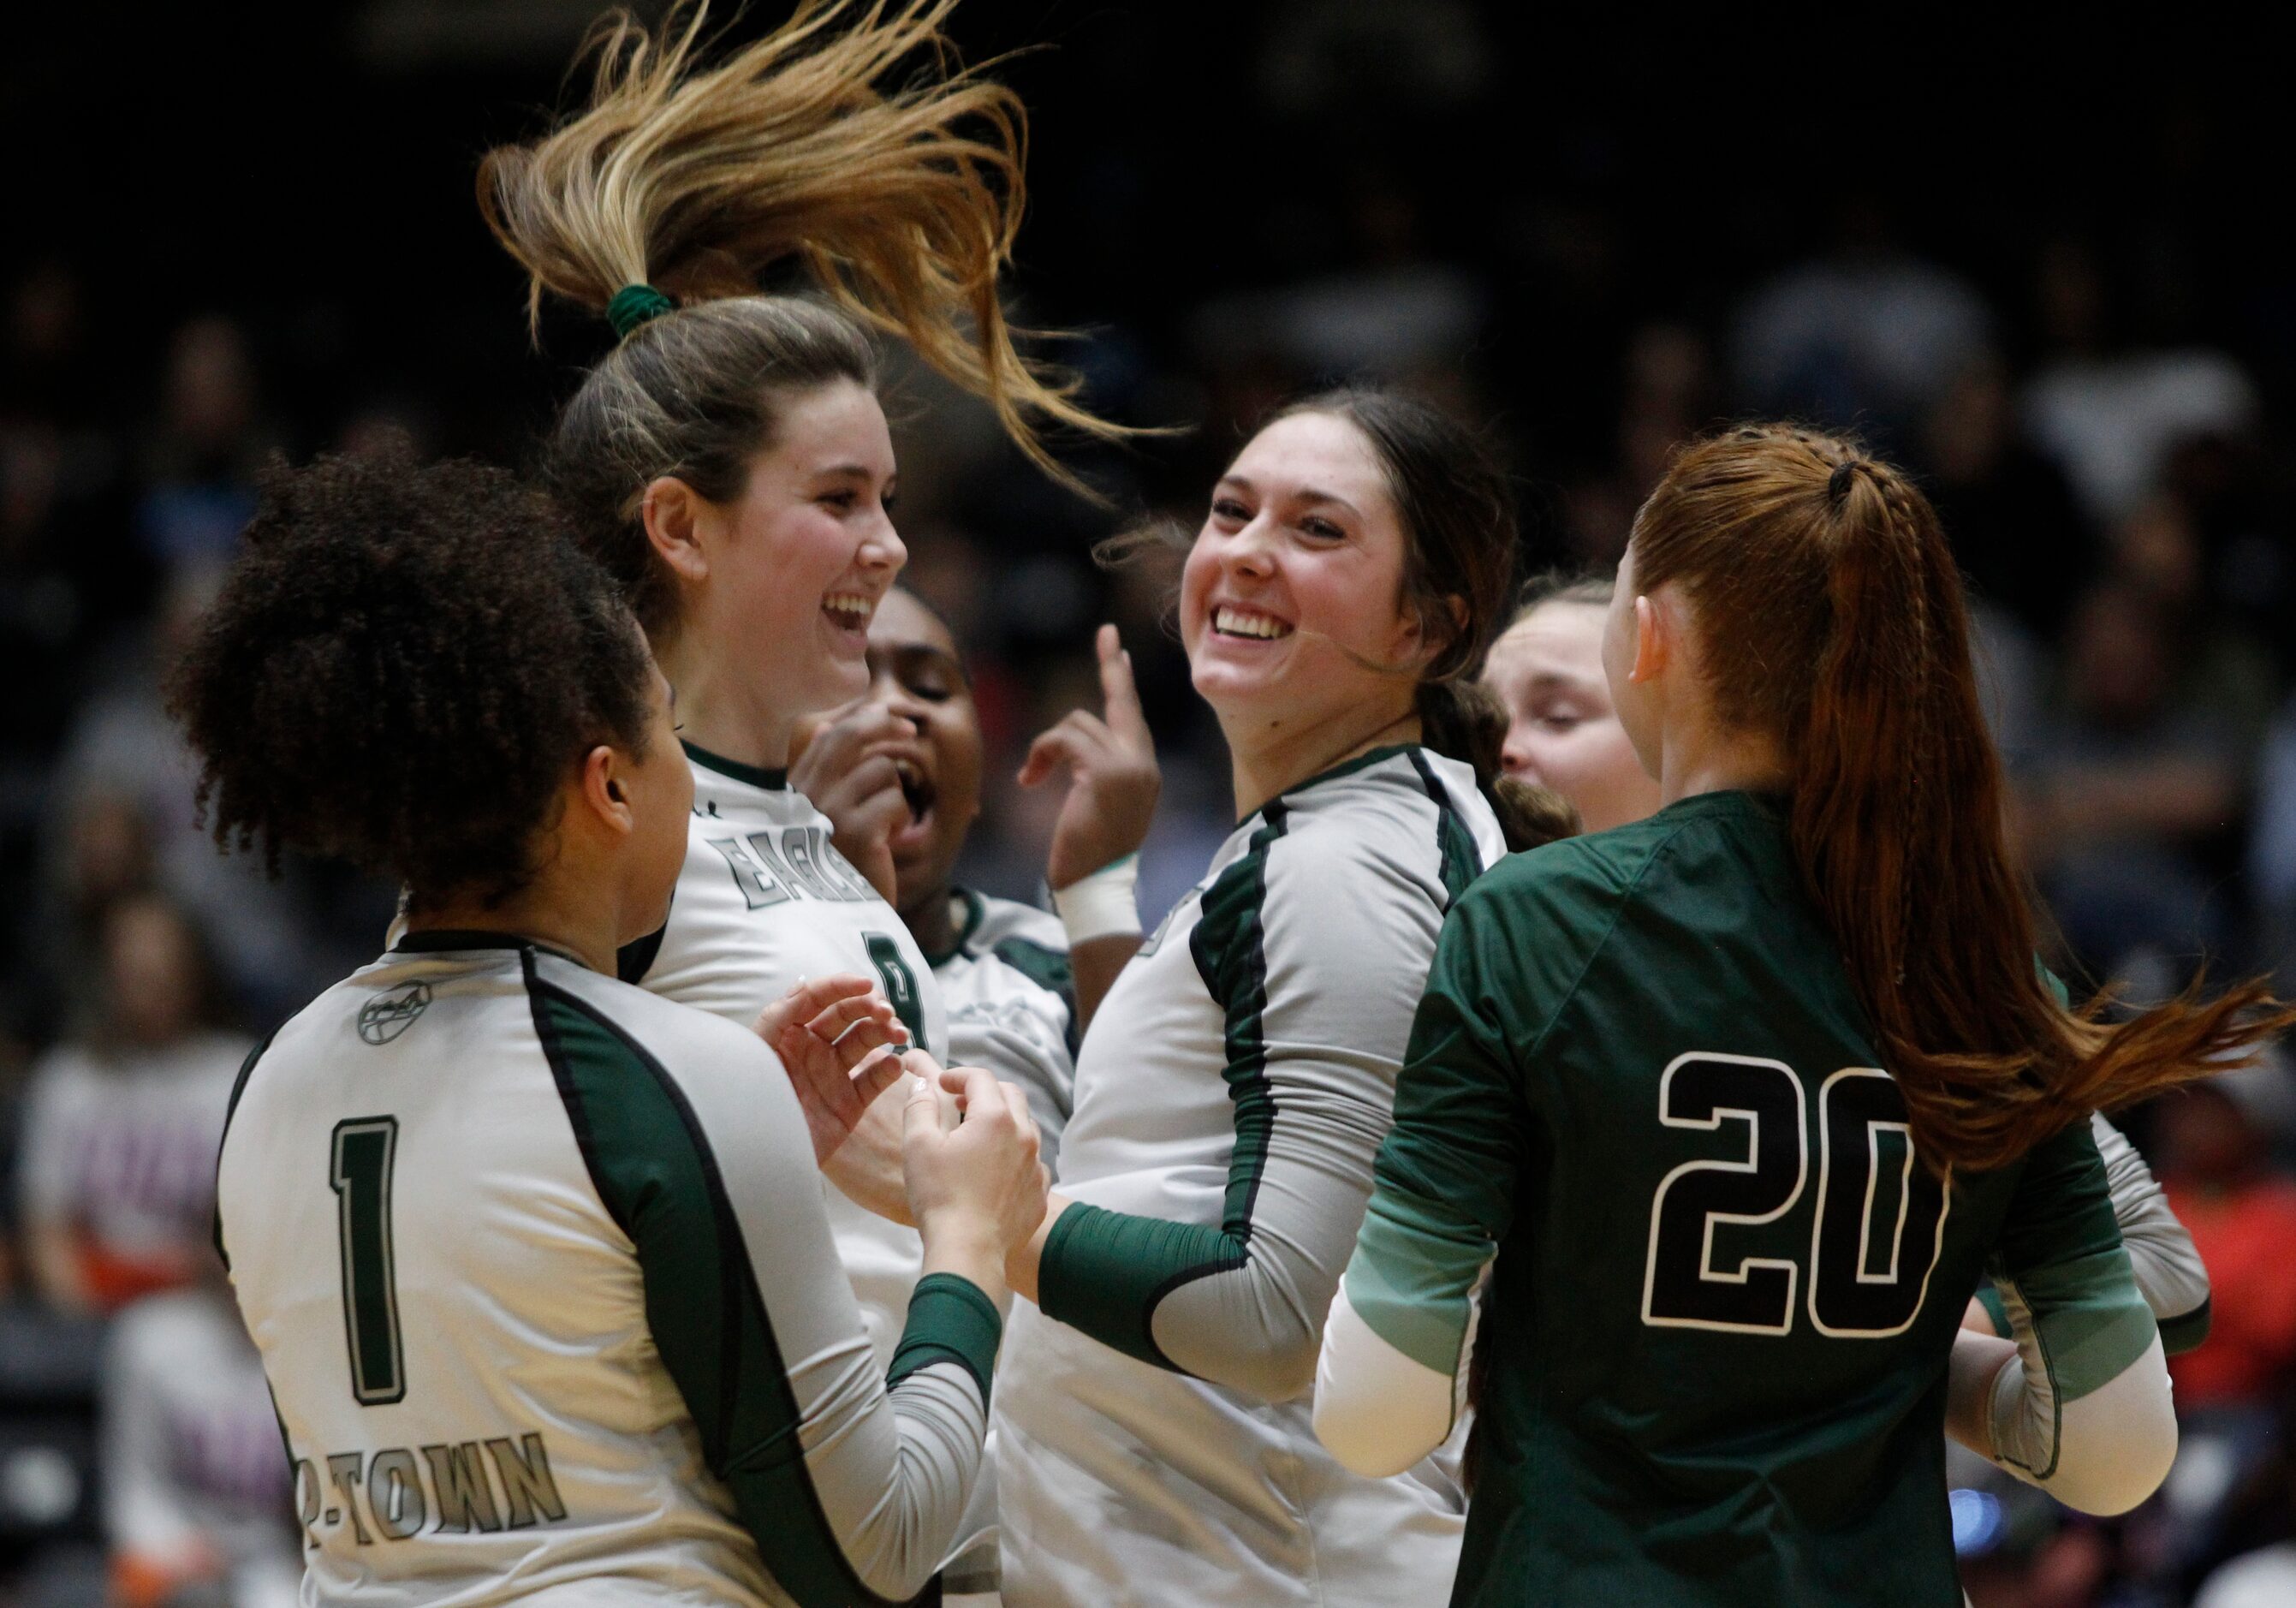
x: 1102, y: 905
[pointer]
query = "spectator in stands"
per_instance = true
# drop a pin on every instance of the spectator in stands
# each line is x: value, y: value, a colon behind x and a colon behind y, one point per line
x: 2110, y: 412
x: 1866, y: 337
x: 2125, y: 788
x: 196, y: 1496
x: 206, y: 448
x: 1667, y: 393
x: 2006, y: 506
x: 2217, y: 1167
x: 2272, y: 850
x: 120, y: 1122
x: 124, y: 746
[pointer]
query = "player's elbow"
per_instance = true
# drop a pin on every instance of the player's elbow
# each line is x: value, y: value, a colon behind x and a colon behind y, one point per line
x: 1279, y: 1369
x: 1363, y: 1439
x: 1242, y: 1337
x: 894, y: 1556
x: 2114, y: 1485
x: 2120, y: 1442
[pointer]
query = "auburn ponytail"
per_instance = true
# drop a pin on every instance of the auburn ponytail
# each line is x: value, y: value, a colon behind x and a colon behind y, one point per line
x: 1830, y: 615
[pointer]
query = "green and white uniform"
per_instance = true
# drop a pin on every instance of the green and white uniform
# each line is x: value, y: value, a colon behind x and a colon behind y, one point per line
x: 766, y: 902
x: 1011, y: 1003
x: 539, y: 1268
x: 1724, y: 1290
x: 1231, y: 1093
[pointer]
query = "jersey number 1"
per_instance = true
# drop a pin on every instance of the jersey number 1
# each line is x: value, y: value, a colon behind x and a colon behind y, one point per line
x: 1880, y: 1223
x: 364, y: 1150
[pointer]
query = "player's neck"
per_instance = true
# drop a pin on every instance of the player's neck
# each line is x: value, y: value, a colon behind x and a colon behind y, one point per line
x: 572, y: 920
x: 931, y: 919
x: 721, y: 713
x: 1694, y: 760
x: 1266, y: 761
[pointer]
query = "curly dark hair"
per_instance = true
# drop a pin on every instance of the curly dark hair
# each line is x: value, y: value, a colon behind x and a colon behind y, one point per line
x: 403, y: 666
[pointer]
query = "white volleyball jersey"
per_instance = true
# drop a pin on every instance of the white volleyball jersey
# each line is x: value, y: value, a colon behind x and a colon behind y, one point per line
x: 1232, y: 1092
x: 1011, y: 1003
x: 766, y: 902
x: 539, y: 1270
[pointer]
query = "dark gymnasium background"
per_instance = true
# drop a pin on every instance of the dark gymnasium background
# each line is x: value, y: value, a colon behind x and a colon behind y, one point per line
x: 2037, y: 257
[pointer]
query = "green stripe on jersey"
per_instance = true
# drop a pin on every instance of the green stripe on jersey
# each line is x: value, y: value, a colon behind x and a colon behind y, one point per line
x: 1463, y: 861
x: 1103, y: 1272
x: 655, y: 1173
x: 1049, y: 970
x: 231, y: 1110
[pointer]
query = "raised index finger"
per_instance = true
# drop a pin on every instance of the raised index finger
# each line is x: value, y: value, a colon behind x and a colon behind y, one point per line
x: 1119, y: 696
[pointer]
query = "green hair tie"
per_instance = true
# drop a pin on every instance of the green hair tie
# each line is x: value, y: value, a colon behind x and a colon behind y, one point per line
x: 633, y: 305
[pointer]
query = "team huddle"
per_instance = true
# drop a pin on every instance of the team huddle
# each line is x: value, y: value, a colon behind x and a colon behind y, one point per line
x: 1593, y: 1130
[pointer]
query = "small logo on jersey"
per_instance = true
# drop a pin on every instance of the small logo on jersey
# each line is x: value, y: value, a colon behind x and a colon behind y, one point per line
x: 386, y: 1016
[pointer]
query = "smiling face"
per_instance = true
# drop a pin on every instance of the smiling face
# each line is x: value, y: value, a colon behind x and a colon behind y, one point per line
x: 1290, y: 606
x: 1562, y: 729
x: 915, y: 671
x: 797, y: 565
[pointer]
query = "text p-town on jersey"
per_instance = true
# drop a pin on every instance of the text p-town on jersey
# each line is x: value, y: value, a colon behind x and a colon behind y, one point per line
x: 539, y: 1270
x: 1231, y: 1092
x: 764, y: 903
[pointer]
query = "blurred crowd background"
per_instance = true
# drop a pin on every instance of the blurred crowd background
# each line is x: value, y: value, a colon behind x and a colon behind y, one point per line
x: 2033, y: 260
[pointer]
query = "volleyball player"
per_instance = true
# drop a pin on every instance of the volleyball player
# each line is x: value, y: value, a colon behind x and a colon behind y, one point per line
x: 1238, y: 1079
x: 1020, y: 983
x: 1564, y: 732
x: 728, y: 462
x: 1733, y: 1250
x: 536, y: 1260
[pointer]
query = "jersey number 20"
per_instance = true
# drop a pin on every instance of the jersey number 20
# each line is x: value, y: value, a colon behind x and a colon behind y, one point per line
x: 1875, y: 1237
x: 364, y: 1150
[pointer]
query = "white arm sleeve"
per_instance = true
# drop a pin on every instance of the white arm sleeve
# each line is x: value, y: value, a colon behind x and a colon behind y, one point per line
x: 2167, y: 1264
x: 2101, y: 1453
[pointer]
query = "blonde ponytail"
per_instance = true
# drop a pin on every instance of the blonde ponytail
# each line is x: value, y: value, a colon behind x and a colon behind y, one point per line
x: 901, y: 201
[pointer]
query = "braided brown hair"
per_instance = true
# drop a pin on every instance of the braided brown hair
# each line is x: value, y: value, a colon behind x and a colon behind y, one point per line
x: 1829, y: 616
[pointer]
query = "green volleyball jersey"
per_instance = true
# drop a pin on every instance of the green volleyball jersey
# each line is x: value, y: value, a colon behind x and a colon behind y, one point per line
x: 1725, y: 1291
